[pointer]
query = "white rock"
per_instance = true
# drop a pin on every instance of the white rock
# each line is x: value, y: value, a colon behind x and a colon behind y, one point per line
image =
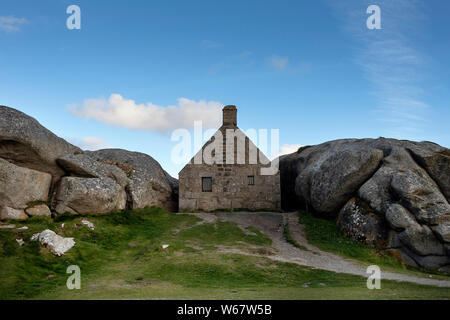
x: 88, y: 224
x: 7, y: 226
x: 35, y: 237
x: 53, y: 242
x: 20, y: 242
x: 23, y: 228
x: 164, y: 246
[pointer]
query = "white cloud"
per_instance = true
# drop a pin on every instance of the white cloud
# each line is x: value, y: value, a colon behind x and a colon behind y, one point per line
x: 286, y: 149
x: 90, y: 143
x: 117, y: 111
x: 277, y: 62
x: 392, y: 64
x: 11, y: 24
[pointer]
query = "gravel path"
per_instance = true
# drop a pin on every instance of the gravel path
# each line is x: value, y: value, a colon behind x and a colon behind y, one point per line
x: 272, y: 225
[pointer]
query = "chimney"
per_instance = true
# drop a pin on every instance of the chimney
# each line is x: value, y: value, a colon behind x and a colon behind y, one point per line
x: 229, y: 116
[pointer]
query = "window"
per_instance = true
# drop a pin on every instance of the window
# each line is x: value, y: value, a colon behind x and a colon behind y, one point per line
x: 251, y: 180
x: 207, y: 184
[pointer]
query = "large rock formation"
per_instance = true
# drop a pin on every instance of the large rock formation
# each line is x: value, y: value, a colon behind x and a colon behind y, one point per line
x: 112, y: 179
x: 334, y: 174
x: 38, y: 170
x: 89, y: 195
x: 26, y: 143
x: 149, y: 185
x: 388, y: 193
x: 83, y: 165
x: 20, y: 188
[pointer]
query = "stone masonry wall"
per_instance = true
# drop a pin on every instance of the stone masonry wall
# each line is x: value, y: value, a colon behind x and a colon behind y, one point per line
x: 230, y: 188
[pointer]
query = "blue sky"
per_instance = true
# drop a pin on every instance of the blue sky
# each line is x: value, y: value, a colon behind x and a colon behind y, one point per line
x: 136, y: 70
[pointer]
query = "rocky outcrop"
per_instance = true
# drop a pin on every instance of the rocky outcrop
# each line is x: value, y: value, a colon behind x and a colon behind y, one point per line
x: 442, y: 231
x: 401, y: 178
x: 82, y: 165
x: 41, y: 173
x: 26, y: 143
x: 384, y: 192
x: 89, y: 195
x: 93, y: 186
x: 334, y: 176
x: 149, y: 185
x: 436, y: 161
x: 20, y: 187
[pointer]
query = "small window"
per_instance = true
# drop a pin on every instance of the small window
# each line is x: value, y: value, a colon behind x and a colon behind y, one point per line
x: 251, y: 180
x: 207, y: 184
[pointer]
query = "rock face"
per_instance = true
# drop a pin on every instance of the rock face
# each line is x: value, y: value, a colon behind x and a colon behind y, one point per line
x: 26, y: 143
x: 21, y: 186
x: 89, y: 195
x: 82, y: 165
x: 360, y: 223
x: 384, y: 192
x: 437, y: 163
x: 149, y: 185
x: 41, y: 173
x: 335, y: 174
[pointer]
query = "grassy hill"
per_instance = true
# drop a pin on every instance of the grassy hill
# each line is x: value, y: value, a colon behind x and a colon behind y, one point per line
x: 123, y: 258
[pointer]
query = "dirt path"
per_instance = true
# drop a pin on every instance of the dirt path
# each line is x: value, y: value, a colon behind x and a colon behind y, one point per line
x: 272, y: 225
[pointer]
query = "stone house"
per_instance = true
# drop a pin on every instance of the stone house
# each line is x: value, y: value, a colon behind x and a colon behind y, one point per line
x: 229, y: 172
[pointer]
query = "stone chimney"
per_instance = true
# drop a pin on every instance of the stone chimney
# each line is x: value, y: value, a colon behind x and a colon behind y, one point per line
x: 229, y: 116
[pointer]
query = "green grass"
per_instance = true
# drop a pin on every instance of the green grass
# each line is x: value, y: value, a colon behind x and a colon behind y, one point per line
x: 223, y: 233
x: 225, y: 276
x: 24, y: 269
x: 123, y: 259
x: 325, y: 235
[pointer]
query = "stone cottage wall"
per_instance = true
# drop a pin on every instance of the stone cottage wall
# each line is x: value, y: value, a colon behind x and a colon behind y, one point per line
x: 230, y: 189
